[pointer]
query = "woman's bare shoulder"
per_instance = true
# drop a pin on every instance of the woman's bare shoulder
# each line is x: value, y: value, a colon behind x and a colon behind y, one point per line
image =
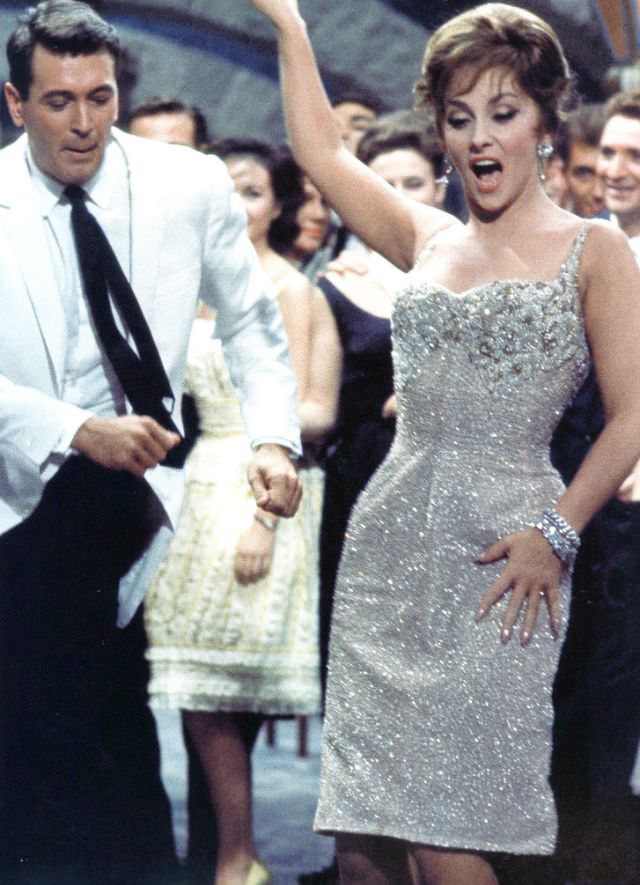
x: 286, y: 278
x: 604, y: 245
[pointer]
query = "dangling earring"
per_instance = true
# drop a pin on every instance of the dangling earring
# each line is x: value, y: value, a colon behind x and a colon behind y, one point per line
x: 544, y: 150
x: 447, y: 170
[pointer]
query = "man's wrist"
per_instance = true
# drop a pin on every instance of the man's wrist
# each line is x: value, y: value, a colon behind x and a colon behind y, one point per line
x: 283, y: 446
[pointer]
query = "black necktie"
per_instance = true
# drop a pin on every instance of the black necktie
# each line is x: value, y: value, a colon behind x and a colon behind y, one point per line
x: 141, y: 374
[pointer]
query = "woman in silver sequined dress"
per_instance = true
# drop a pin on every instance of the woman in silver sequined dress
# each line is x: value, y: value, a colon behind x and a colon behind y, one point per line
x: 437, y: 735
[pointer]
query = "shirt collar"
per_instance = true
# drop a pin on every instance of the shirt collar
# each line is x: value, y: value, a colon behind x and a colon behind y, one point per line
x: 99, y: 188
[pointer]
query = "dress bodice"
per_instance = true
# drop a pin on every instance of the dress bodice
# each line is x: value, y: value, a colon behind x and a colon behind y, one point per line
x: 493, y: 367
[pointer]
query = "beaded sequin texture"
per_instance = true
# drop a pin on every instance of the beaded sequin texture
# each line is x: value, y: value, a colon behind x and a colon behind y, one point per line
x: 434, y: 731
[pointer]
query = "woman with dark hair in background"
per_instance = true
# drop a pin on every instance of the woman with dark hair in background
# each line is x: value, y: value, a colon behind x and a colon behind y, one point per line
x: 232, y: 613
x: 310, y: 249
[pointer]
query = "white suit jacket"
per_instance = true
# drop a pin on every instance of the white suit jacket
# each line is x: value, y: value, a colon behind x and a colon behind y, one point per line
x: 188, y: 240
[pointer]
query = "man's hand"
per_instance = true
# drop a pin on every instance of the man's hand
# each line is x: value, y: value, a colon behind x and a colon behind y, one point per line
x: 128, y: 442
x: 274, y: 480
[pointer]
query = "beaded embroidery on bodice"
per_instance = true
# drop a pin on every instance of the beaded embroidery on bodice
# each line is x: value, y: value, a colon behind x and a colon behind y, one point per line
x: 511, y: 330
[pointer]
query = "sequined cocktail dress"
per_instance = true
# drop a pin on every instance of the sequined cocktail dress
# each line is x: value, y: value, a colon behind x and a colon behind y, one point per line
x: 435, y: 732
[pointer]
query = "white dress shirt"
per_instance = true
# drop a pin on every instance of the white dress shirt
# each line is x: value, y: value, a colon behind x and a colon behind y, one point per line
x: 89, y: 380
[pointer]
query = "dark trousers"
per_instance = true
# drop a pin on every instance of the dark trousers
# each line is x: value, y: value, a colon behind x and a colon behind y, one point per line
x: 597, y: 706
x: 83, y: 800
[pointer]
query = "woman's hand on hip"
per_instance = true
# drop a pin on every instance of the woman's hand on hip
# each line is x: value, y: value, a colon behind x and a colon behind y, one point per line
x: 532, y: 574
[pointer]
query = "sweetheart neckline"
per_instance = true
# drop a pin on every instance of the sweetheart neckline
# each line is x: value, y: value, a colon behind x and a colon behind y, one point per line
x: 578, y: 242
x: 511, y: 281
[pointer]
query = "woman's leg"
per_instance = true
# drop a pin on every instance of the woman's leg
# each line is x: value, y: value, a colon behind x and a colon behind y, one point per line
x: 376, y: 860
x: 372, y: 860
x: 441, y: 866
x: 220, y: 744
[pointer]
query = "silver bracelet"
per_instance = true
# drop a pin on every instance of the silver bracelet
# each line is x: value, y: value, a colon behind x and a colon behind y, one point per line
x: 563, y: 538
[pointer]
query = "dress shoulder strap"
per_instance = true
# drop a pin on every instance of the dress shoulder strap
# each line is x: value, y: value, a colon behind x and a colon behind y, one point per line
x: 572, y: 262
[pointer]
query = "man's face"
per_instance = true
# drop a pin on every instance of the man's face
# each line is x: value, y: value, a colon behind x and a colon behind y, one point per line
x: 68, y: 114
x: 177, y: 128
x: 586, y: 188
x: 619, y: 165
x: 353, y: 120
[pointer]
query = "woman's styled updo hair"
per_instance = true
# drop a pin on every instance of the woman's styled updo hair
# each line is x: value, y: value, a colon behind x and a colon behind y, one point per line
x: 498, y: 35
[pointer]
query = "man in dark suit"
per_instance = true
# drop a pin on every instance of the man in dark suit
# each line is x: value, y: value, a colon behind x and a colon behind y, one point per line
x: 597, y: 691
x: 106, y: 243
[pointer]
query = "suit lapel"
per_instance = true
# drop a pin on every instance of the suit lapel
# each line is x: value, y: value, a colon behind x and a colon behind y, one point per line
x: 25, y: 229
x: 146, y: 226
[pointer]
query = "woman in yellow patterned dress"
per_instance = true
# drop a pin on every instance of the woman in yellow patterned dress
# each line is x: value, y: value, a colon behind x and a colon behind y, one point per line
x: 232, y: 614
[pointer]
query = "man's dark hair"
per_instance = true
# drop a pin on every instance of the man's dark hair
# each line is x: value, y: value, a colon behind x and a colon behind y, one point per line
x: 585, y: 125
x: 413, y: 130
x: 153, y: 107
x: 60, y: 26
x: 360, y: 96
x: 286, y: 181
x: 625, y: 104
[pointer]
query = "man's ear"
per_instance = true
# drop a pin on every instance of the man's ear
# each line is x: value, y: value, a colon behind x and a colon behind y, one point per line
x: 14, y: 102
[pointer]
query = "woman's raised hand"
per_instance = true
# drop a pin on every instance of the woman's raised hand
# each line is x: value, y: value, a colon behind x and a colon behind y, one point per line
x: 531, y: 576
x: 276, y: 9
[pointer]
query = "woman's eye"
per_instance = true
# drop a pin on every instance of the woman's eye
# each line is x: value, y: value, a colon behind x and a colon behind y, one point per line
x: 457, y: 122
x: 504, y: 116
x: 413, y: 184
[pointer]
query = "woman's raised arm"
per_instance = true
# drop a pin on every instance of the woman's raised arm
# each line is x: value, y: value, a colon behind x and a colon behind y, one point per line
x: 389, y: 223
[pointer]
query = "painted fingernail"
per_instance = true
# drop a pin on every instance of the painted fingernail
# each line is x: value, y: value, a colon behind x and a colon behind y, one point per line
x: 480, y: 614
x: 505, y: 636
x: 525, y: 638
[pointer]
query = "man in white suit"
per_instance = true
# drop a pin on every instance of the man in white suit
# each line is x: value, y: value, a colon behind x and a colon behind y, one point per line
x: 84, y: 802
